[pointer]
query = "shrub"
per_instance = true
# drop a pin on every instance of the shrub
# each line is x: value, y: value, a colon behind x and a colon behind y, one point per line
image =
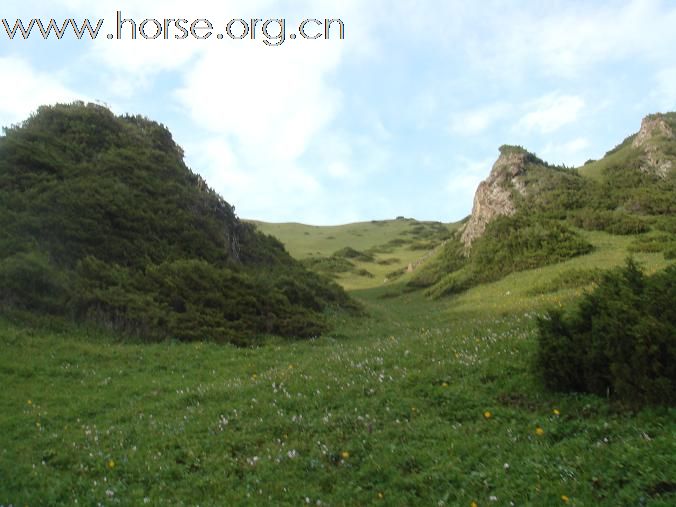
x: 351, y: 253
x: 509, y: 244
x: 521, y: 242
x: 653, y: 243
x: 613, y: 222
x: 102, y: 221
x: 619, y: 341
x: 28, y: 281
x: 328, y: 265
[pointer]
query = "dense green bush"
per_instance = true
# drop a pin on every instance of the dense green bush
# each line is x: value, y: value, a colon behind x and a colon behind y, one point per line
x: 620, y: 340
x: 102, y: 221
x: 194, y: 300
x: 523, y: 242
x: 28, y: 280
x: 329, y: 265
x: 509, y: 244
x: 350, y: 253
x: 614, y: 222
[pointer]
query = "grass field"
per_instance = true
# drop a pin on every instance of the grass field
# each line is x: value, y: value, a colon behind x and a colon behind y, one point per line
x: 419, y: 403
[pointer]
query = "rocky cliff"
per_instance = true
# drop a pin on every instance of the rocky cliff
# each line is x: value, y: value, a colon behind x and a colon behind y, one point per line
x: 494, y: 196
x: 656, y: 130
x: 651, y: 152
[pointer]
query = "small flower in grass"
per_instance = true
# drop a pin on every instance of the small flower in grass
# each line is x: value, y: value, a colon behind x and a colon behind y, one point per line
x: 556, y: 412
x: 345, y: 454
x: 488, y: 414
x: 110, y: 464
x: 565, y: 499
x: 380, y: 495
x: 30, y: 402
x: 445, y: 384
x: 539, y: 431
x: 474, y: 504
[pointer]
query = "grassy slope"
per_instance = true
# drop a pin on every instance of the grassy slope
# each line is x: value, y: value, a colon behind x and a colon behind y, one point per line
x: 306, y: 241
x: 617, y: 158
x: 387, y: 411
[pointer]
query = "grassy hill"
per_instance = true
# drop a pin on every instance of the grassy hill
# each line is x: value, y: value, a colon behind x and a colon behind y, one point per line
x: 389, y: 247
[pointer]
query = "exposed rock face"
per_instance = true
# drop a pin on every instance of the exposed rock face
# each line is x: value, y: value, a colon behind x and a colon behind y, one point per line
x: 653, y: 129
x: 494, y: 195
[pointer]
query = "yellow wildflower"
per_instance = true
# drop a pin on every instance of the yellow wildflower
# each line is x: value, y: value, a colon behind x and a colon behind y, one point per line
x: 111, y: 464
x: 556, y: 411
x: 539, y: 431
x: 488, y: 414
x: 344, y: 454
x: 564, y: 498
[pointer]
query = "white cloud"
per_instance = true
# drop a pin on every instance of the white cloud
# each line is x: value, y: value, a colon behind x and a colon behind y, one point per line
x: 478, y: 120
x: 268, y: 105
x: 566, y: 39
x: 665, y: 90
x: 571, y: 153
x: 28, y: 89
x: 583, y: 36
x: 551, y: 112
x: 463, y: 182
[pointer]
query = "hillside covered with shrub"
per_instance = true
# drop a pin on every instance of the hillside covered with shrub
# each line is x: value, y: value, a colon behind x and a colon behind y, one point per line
x: 103, y: 222
x: 529, y: 213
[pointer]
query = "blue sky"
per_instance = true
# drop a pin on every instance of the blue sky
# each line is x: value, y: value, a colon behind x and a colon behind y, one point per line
x: 403, y: 117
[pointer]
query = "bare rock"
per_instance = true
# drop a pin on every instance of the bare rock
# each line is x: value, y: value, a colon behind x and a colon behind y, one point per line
x: 494, y: 195
x: 654, y: 128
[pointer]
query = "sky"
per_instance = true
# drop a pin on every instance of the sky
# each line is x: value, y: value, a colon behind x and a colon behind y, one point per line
x: 402, y: 117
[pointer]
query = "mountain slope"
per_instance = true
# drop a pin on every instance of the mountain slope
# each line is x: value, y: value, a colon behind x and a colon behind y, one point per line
x: 102, y: 221
x: 528, y: 214
x: 362, y: 255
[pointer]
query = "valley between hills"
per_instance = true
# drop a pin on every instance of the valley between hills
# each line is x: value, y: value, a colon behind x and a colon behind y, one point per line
x: 208, y: 360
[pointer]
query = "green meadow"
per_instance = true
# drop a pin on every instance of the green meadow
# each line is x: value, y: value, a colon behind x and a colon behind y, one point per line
x: 389, y: 247
x: 420, y: 402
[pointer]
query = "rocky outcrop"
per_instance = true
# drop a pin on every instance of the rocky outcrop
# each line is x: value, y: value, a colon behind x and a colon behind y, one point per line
x: 494, y: 196
x: 654, y: 129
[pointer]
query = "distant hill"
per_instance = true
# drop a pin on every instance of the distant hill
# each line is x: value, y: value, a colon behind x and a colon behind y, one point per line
x: 103, y: 222
x: 364, y: 254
